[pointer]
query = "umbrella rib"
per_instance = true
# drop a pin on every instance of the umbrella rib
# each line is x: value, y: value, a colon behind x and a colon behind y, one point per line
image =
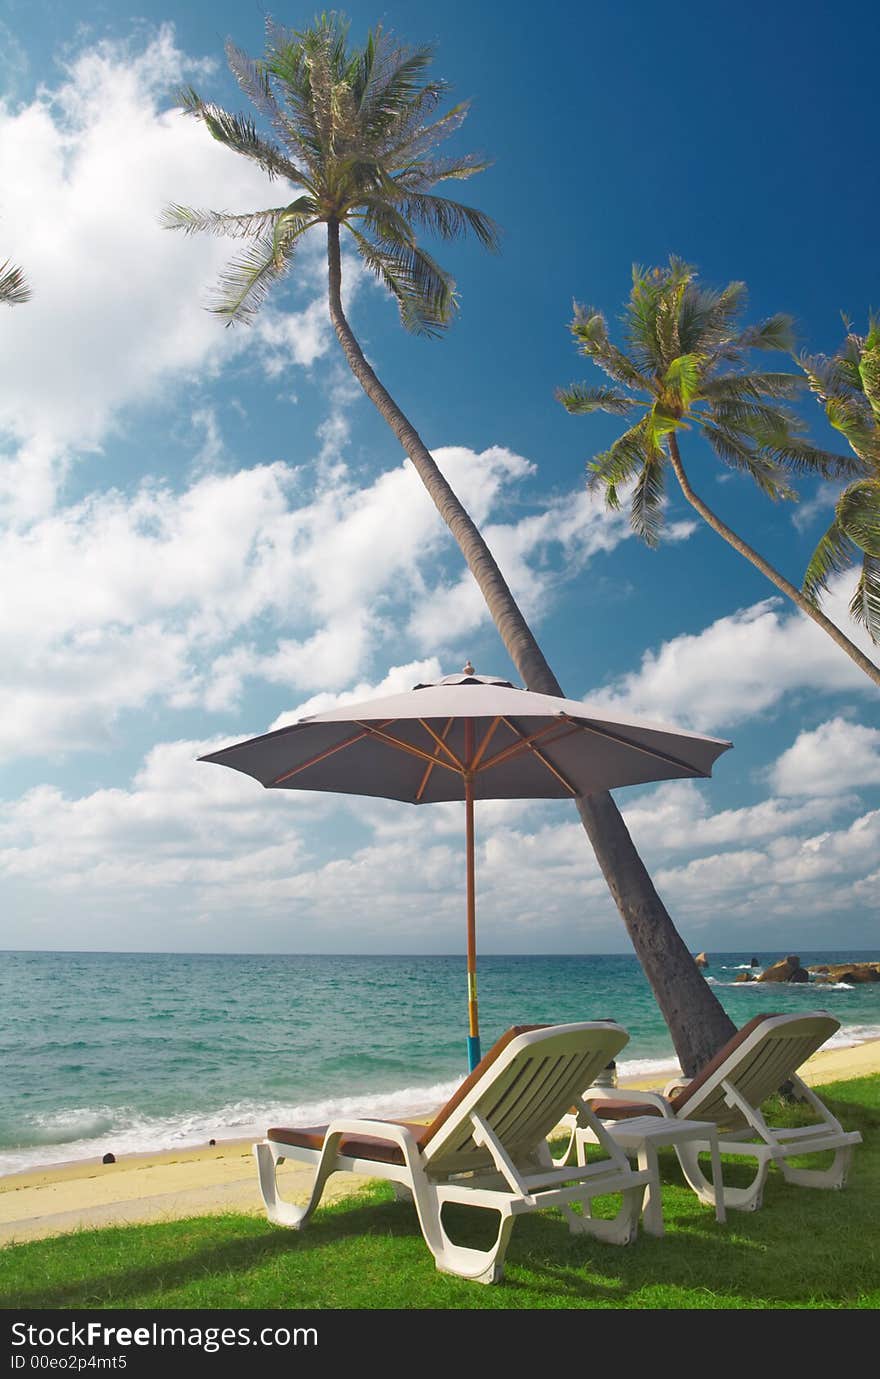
x: 431, y: 764
x: 407, y: 747
x: 525, y: 743
x: 322, y: 756
x: 478, y: 755
x: 545, y: 761
x: 442, y: 743
x: 636, y: 746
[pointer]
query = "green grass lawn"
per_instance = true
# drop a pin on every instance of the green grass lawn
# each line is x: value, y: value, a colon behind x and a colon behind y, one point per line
x: 804, y: 1249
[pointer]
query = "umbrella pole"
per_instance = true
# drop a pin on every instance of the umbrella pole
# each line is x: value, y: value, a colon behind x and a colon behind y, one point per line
x: 473, y: 1043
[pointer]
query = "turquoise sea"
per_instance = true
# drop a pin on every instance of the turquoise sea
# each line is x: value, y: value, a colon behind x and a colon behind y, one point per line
x: 128, y: 1052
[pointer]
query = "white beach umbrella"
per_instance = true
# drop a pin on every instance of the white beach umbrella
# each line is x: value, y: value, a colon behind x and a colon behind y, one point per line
x: 469, y: 737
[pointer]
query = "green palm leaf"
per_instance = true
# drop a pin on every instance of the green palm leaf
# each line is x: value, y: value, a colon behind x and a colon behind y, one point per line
x: 14, y: 289
x: 858, y: 514
x: 865, y: 604
x: 578, y: 398
x: 358, y: 130
x: 835, y: 553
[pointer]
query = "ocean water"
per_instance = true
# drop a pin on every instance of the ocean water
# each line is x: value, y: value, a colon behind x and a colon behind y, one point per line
x: 128, y: 1052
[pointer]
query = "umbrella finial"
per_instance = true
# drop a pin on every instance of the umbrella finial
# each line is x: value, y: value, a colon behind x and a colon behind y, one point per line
x: 468, y: 669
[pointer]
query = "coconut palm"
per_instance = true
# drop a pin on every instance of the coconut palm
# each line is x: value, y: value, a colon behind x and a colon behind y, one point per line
x: 13, y: 287
x: 356, y: 134
x: 687, y: 368
x: 849, y: 387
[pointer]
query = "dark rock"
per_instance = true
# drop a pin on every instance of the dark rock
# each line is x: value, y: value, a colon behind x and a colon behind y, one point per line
x: 109, y: 1159
x: 754, y: 963
x: 212, y: 1142
x: 786, y: 970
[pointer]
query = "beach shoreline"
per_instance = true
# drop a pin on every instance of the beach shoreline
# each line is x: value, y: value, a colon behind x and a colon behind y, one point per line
x: 171, y: 1184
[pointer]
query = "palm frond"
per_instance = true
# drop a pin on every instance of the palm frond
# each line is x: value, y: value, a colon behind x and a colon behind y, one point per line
x: 449, y: 219
x: 425, y: 294
x: 852, y: 419
x: 736, y: 387
x: 646, y: 503
x: 682, y: 378
x: 578, y: 399
x: 621, y: 462
x: 245, y: 282
x: 739, y: 452
x: 858, y: 514
x: 590, y: 329
x: 835, y: 553
x: 14, y: 289
x: 775, y: 333
x: 255, y: 81
x: 865, y: 604
x: 800, y: 456
x: 706, y: 316
x: 869, y: 371
x: 239, y: 133
x: 247, y: 226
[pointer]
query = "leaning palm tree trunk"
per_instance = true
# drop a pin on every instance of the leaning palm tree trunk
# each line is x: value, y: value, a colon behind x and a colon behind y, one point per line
x: 697, y: 1022
x: 785, y: 586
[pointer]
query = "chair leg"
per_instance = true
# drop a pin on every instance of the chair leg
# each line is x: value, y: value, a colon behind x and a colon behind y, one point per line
x: 737, y: 1198
x: 621, y: 1229
x: 832, y: 1177
x: 285, y: 1213
x: 479, y: 1266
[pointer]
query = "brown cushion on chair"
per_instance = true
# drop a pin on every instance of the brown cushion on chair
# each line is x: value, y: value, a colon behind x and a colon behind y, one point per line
x: 622, y: 1110
x: 386, y: 1151
x: 681, y: 1097
x: 355, y: 1146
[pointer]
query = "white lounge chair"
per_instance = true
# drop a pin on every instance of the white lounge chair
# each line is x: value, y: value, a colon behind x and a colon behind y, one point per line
x: 486, y: 1148
x: 729, y: 1092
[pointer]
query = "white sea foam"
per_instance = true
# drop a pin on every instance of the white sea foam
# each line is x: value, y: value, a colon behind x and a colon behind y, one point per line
x: 90, y: 1132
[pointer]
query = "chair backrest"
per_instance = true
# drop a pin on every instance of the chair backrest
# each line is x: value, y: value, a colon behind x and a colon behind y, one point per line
x: 521, y: 1089
x: 756, y: 1061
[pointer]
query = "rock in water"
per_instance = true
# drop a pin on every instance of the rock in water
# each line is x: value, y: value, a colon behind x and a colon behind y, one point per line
x: 851, y: 973
x: 744, y: 977
x: 701, y: 960
x: 787, y: 970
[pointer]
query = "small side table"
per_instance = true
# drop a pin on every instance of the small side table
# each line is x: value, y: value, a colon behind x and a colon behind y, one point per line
x: 644, y: 1135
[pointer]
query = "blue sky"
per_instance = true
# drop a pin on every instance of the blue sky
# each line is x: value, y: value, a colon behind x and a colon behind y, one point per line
x: 204, y: 533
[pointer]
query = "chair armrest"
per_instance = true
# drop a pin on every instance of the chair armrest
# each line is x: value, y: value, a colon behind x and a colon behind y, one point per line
x: 676, y: 1085
x: 628, y: 1094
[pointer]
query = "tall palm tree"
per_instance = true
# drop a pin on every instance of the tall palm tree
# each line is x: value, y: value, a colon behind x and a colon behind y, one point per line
x: 687, y: 368
x: 355, y: 135
x: 13, y: 287
x: 849, y: 388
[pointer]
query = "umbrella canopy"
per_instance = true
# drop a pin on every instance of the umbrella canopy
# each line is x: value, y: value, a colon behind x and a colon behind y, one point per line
x: 469, y: 737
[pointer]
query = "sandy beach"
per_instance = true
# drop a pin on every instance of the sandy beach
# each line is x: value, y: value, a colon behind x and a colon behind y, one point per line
x: 213, y: 1179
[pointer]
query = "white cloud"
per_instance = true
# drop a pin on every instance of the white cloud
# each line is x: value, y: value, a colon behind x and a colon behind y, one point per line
x: 183, y: 598
x: 677, y: 817
x: 742, y: 665
x: 117, y: 313
x: 188, y: 841
x: 577, y: 523
x: 829, y: 760
x: 794, y: 877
